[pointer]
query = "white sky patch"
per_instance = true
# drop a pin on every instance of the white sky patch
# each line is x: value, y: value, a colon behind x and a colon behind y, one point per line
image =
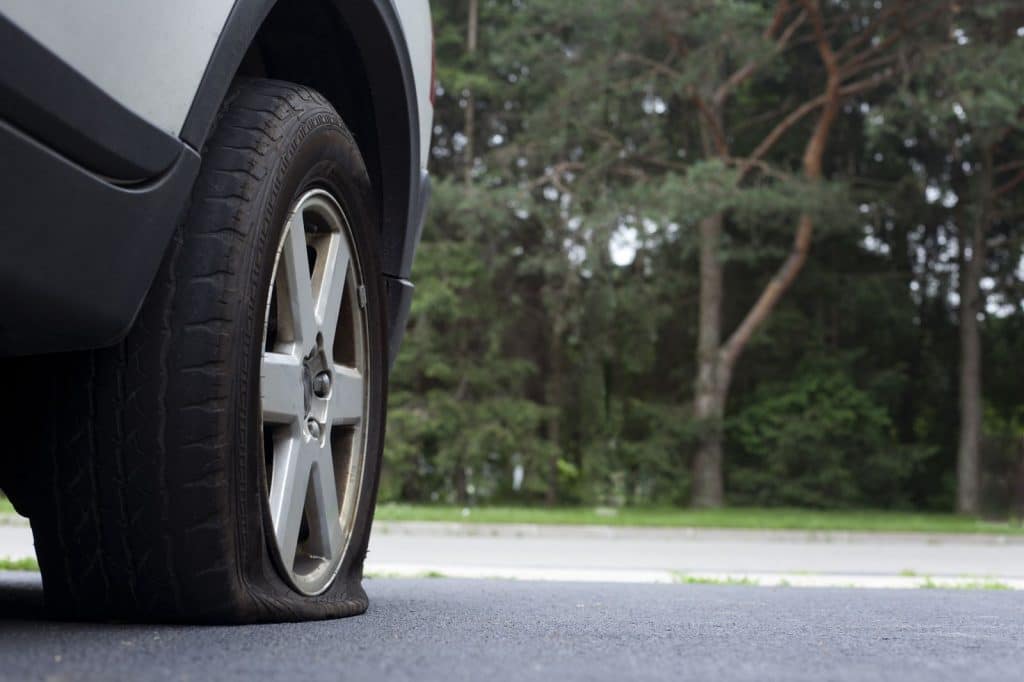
x: 875, y: 245
x: 623, y: 245
x: 998, y: 306
x: 872, y: 243
x: 577, y: 253
x: 934, y: 194
x: 959, y: 112
x: 653, y: 104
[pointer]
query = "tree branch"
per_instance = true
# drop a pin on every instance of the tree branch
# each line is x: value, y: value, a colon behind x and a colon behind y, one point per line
x: 741, y: 75
x: 812, y: 167
x: 1009, y: 184
x: 713, y: 122
x: 795, y: 116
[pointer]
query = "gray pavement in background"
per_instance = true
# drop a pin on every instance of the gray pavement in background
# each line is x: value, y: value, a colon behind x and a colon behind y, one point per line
x: 659, y: 555
x: 454, y: 630
x: 16, y: 541
x: 695, y: 551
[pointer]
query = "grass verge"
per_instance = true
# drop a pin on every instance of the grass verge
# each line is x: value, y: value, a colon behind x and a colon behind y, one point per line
x: 427, y: 574
x: 27, y: 564
x: 740, y: 518
x: 683, y: 579
x: 995, y: 585
x: 5, y: 506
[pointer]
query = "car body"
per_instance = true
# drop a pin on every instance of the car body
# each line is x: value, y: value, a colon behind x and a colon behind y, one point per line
x: 208, y: 216
x: 114, y: 122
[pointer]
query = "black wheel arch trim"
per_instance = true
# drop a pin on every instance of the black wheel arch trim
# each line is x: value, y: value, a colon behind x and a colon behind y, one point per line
x: 48, y: 99
x: 75, y: 270
x: 375, y: 26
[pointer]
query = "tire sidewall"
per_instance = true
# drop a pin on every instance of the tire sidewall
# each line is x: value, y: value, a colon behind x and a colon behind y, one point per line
x: 319, y: 154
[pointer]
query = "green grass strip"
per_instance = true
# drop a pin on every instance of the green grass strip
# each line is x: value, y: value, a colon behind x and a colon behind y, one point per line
x: 738, y: 518
x: 26, y: 564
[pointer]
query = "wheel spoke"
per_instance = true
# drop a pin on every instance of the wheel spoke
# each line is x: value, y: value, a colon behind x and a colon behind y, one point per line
x: 322, y: 504
x: 329, y: 287
x: 288, y: 490
x: 295, y: 292
x: 346, y: 405
x: 281, y: 388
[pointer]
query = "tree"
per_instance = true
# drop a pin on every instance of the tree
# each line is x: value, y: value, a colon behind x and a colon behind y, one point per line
x: 715, y: 51
x: 560, y: 297
x: 966, y: 102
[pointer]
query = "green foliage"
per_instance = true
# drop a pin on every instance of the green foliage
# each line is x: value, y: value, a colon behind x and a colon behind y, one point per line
x: 550, y: 353
x: 819, y: 441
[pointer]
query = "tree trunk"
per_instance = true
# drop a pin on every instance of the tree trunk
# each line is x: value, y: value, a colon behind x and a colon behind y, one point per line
x: 968, y: 463
x: 1018, y: 487
x: 555, y: 397
x: 708, y: 485
x: 967, y: 467
x: 710, y: 389
x: 460, y: 484
x: 715, y: 361
x: 472, y: 27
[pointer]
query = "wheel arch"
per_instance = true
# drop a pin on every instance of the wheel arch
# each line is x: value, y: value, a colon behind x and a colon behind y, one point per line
x: 355, y: 54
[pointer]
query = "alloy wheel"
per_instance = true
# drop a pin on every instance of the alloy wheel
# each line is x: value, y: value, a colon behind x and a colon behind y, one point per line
x: 313, y: 387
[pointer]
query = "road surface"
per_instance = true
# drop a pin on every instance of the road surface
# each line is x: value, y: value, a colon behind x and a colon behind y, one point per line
x: 643, y: 555
x: 452, y: 630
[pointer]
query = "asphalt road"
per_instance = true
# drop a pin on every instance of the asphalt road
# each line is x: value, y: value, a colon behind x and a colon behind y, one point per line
x: 451, y: 630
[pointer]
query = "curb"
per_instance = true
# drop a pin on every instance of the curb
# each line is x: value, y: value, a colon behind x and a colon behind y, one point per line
x: 376, y: 570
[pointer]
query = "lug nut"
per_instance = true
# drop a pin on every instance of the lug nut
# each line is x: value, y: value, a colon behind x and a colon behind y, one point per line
x: 313, y: 426
x: 322, y: 384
